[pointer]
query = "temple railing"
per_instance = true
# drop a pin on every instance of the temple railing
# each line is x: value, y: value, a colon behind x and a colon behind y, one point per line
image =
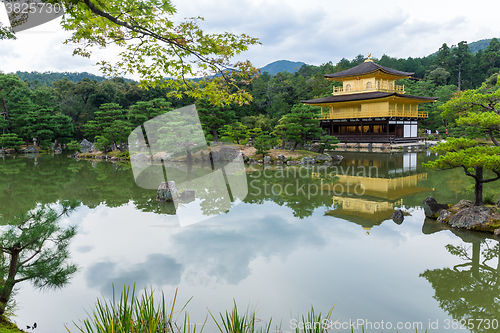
x: 373, y: 114
x: 358, y: 89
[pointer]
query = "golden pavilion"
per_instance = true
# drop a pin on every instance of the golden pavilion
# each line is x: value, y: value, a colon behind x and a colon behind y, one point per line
x: 370, y: 107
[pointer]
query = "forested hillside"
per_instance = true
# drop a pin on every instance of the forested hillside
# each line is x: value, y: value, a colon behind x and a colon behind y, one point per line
x: 49, y: 77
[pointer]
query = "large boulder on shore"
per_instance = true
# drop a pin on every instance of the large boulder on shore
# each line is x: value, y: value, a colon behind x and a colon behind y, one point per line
x: 228, y: 153
x: 139, y: 157
x: 307, y: 160
x: 432, y: 208
x: 470, y: 217
x: 167, y: 192
x: 283, y: 159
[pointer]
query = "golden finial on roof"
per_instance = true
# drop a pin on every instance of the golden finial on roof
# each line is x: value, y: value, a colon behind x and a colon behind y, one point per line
x: 369, y: 59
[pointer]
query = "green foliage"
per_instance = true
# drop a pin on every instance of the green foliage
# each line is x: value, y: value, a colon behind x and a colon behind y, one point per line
x: 35, y: 248
x: 6, y: 32
x: 301, y: 124
x: 154, y: 47
x: 110, y: 126
x: 474, y: 159
x: 125, y: 155
x: 179, y: 134
x: 236, y: 133
x: 327, y: 142
x: 478, y: 109
x: 314, y: 322
x: 263, y: 144
x: 10, y: 140
x: 134, y: 314
x: 261, y: 121
x: 237, y: 323
x: 74, y: 145
x: 143, y: 111
x: 214, y: 117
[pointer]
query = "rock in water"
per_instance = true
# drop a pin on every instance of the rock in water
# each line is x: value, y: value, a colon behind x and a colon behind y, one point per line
x: 337, y: 158
x: 398, y: 216
x: 214, y: 156
x: 267, y: 159
x: 167, y: 192
x: 228, y: 153
x: 187, y: 195
x: 432, y: 208
x: 321, y: 158
x: 308, y: 160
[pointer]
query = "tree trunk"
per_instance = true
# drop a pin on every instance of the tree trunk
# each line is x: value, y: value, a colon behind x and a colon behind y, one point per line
x: 6, y: 114
x: 214, y: 132
x: 492, y: 137
x: 476, y: 255
x: 10, y: 282
x: 478, y: 189
x: 459, y: 76
x: 294, y: 146
x: 283, y: 141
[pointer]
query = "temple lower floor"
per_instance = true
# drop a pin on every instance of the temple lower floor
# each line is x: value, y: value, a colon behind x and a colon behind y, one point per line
x: 366, y: 131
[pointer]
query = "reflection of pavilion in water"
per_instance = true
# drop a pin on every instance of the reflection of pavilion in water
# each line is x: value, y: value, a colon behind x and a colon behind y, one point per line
x: 377, y: 186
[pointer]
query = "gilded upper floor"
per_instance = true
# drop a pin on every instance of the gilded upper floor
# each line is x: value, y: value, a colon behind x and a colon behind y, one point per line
x: 368, y: 77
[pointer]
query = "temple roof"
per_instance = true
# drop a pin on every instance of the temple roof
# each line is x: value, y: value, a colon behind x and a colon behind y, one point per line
x: 365, y: 96
x: 366, y: 68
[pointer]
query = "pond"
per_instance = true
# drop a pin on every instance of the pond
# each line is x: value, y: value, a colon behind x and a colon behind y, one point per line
x: 301, y: 237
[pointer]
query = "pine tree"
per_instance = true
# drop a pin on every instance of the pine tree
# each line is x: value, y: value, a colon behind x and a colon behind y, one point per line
x: 302, y: 124
x: 34, y: 247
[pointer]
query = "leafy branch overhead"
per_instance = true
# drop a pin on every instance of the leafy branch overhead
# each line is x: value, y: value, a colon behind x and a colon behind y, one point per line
x: 163, y: 53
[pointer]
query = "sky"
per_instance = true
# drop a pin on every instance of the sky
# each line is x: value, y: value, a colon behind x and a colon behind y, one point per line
x: 313, y: 31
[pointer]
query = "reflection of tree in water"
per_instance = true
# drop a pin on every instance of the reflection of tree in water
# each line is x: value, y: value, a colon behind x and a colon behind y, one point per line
x: 293, y: 187
x: 469, y: 290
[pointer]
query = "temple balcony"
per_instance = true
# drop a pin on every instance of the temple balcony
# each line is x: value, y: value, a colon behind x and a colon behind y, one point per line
x: 373, y: 114
x: 355, y: 89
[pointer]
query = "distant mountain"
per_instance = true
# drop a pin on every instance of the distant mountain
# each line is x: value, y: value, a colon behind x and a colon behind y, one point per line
x: 49, y: 77
x: 479, y: 45
x: 281, y: 66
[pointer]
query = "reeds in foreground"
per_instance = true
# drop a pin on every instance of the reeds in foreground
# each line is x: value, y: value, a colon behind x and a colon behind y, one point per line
x: 237, y: 323
x: 134, y: 314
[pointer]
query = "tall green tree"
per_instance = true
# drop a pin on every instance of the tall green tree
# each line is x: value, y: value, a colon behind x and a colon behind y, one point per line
x: 143, y: 111
x: 214, y: 117
x: 302, y: 124
x: 34, y: 247
x: 10, y: 140
x: 327, y: 142
x: 237, y: 133
x: 476, y: 161
x: 263, y: 144
x: 479, y: 108
x: 110, y: 125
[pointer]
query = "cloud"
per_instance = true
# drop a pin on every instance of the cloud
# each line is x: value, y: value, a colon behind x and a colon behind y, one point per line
x: 315, y: 31
x: 159, y: 269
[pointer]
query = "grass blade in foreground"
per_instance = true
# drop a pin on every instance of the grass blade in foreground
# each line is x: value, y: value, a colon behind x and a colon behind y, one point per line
x: 134, y: 314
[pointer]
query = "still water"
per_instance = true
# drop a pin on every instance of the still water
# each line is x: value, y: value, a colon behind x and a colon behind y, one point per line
x: 301, y: 237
